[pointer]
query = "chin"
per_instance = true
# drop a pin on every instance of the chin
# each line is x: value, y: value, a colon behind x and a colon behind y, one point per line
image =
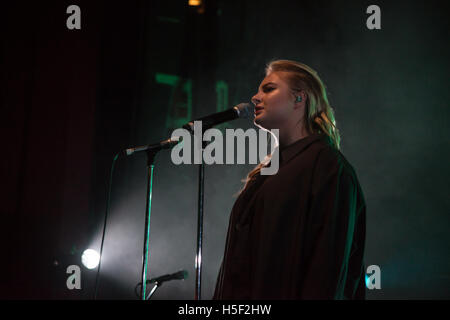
x: 262, y: 123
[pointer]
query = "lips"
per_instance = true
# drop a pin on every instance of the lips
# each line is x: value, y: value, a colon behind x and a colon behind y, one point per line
x: 258, y: 109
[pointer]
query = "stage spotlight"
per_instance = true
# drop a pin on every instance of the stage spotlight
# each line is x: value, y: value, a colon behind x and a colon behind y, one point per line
x: 90, y: 258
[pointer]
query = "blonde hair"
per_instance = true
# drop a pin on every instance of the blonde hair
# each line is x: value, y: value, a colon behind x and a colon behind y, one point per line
x: 319, y: 115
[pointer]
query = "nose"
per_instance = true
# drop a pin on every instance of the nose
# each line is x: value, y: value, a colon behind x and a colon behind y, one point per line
x: 255, y: 99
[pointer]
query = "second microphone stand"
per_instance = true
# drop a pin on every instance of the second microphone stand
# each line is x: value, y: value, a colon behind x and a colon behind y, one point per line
x: 151, y: 153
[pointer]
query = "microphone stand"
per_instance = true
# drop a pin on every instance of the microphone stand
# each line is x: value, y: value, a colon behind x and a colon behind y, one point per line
x: 201, y: 192
x: 239, y: 111
x: 151, y: 153
x: 198, y: 257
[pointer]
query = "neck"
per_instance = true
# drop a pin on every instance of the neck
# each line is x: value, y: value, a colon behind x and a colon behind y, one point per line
x: 288, y: 137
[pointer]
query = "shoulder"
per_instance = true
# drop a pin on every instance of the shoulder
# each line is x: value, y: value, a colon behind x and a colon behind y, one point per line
x: 331, y: 165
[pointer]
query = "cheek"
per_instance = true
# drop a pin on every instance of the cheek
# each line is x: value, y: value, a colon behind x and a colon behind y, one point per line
x: 277, y: 103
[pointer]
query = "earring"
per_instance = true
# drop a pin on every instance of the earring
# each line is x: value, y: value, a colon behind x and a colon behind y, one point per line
x: 298, y: 99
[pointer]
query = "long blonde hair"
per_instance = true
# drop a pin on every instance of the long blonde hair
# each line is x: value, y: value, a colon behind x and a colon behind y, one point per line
x: 319, y: 115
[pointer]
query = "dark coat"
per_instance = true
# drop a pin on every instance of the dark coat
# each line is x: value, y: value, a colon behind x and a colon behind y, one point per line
x: 298, y: 234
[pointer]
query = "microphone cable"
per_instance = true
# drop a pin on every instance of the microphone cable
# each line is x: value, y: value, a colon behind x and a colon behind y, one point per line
x: 108, y: 202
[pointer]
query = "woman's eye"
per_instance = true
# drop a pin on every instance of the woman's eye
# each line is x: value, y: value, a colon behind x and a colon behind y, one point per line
x: 268, y: 89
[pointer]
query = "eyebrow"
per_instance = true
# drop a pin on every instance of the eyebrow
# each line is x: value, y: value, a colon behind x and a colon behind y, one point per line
x: 268, y: 84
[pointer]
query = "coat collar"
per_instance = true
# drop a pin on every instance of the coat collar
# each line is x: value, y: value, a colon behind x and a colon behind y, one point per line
x: 288, y: 152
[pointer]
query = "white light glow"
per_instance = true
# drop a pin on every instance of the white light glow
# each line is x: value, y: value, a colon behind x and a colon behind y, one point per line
x: 90, y: 258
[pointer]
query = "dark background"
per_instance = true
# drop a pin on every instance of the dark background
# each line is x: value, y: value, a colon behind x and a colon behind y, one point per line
x: 71, y: 99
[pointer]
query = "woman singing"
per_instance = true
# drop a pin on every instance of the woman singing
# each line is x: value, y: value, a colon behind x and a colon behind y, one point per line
x: 300, y: 233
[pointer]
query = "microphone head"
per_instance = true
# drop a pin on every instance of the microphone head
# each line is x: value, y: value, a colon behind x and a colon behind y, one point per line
x: 244, y: 110
x: 183, y: 274
x: 169, y: 143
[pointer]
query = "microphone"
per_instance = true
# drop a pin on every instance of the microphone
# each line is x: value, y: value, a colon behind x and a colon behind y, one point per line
x: 180, y: 275
x: 165, y: 144
x: 242, y: 110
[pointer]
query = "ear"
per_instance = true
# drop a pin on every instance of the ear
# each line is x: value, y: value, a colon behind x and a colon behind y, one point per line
x: 303, y: 96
